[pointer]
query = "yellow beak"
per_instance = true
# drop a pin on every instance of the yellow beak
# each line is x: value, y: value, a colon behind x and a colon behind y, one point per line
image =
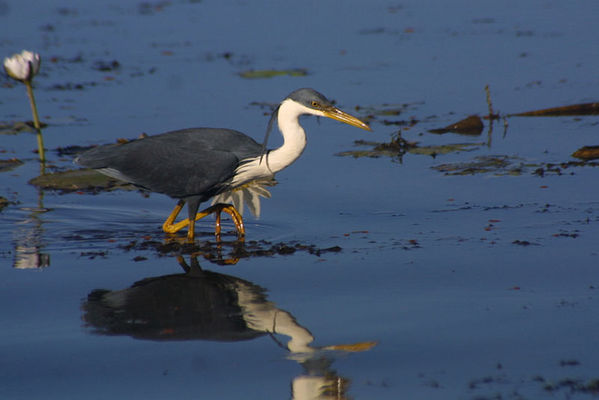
x: 337, y: 114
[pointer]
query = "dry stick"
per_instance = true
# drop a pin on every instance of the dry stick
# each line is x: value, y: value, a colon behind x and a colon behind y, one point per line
x: 489, y: 103
x: 36, y: 123
x: 492, y: 114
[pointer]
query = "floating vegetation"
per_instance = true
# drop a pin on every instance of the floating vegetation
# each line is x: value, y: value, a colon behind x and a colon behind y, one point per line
x: 3, y: 202
x: 150, y: 8
x: 271, y: 73
x: 435, y: 150
x: 574, y: 386
x: 71, y: 150
x: 497, y: 165
x: 224, y: 252
x: 559, y: 168
x: 399, y: 146
x: 471, y: 125
x: 16, y: 127
x: 10, y: 164
x: 501, y: 165
x: 566, y: 385
x: 386, y: 111
x: 84, y: 180
x: 106, y: 66
x: 72, y: 85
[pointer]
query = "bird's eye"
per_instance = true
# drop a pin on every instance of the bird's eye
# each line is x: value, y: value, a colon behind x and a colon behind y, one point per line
x: 315, y: 104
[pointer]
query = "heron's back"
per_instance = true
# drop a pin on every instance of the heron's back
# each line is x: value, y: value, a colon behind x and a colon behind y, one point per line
x: 183, y: 163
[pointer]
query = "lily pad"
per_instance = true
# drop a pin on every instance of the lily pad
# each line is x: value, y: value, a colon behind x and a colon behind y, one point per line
x: 271, y: 73
x: 86, y: 180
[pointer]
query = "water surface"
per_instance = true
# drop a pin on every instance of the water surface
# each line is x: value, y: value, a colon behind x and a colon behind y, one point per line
x: 481, y: 285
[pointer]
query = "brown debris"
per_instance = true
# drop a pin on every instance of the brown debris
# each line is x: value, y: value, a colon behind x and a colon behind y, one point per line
x: 472, y: 125
x: 575, y: 109
x: 587, y: 153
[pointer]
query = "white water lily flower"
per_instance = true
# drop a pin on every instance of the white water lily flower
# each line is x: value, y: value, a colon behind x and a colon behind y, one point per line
x: 24, y: 66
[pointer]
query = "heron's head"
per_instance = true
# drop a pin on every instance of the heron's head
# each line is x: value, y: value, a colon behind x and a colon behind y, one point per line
x: 315, y: 103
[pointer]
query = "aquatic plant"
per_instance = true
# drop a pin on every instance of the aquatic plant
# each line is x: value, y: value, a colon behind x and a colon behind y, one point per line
x: 23, y: 67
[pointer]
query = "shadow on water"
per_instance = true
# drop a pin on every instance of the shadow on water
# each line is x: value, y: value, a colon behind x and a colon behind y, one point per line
x: 205, y: 305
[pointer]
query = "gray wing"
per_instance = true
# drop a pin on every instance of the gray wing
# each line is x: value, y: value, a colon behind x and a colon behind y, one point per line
x: 190, y: 162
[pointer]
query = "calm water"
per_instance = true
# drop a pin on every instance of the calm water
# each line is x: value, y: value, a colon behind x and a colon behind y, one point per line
x: 476, y: 286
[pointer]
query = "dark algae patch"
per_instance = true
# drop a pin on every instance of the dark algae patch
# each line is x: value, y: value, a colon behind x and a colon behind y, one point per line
x: 227, y: 252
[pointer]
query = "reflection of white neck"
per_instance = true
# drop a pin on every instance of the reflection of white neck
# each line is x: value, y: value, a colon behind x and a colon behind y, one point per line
x: 264, y: 316
x: 294, y: 136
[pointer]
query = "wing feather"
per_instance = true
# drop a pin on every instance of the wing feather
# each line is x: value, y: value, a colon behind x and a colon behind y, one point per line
x: 183, y: 163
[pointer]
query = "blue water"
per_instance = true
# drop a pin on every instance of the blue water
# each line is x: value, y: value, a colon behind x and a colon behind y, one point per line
x: 480, y: 286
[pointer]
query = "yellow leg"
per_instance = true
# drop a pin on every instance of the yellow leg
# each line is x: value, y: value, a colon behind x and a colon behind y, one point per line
x: 170, y: 227
x: 235, y: 216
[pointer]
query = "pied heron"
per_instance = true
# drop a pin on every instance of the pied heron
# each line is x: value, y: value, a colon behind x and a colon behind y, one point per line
x: 194, y: 165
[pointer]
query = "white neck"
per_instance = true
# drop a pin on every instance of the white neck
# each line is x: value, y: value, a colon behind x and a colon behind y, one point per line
x: 294, y: 142
x: 294, y: 136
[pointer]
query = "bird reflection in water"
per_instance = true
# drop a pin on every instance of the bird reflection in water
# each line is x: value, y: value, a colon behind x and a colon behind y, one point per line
x: 205, y: 305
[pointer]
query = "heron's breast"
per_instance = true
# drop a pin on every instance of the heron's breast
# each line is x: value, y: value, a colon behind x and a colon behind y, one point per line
x: 252, y: 169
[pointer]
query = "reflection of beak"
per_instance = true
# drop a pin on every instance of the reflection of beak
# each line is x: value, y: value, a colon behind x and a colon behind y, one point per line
x: 354, y: 347
x: 337, y: 114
